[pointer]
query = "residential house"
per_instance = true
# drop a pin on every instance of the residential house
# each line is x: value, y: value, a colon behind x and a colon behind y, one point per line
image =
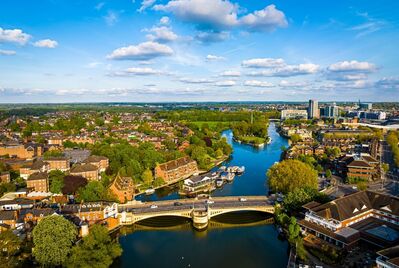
x: 99, y: 161
x: 5, y: 177
x: 123, y: 188
x: 88, y: 171
x: 36, y: 166
x: 175, y: 170
x: 58, y: 163
x: 38, y: 182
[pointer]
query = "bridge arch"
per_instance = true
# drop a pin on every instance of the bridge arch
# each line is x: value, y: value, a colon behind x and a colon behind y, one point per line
x: 220, y: 211
x: 141, y: 217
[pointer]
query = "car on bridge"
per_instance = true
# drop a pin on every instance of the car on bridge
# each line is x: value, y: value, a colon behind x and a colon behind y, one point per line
x: 177, y: 204
x: 210, y: 201
x: 242, y: 199
x: 154, y: 206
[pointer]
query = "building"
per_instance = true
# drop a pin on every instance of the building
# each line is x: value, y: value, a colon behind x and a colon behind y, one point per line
x: 175, y: 170
x: 330, y: 111
x: 313, y: 109
x: 88, y: 171
x: 99, y: 161
x: 92, y: 212
x: 25, y: 151
x: 77, y: 155
x: 36, y: 166
x: 294, y: 114
x: 38, y: 182
x: 123, y: 188
x: 388, y: 258
x: 58, y: 163
x: 197, y: 184
x: 367, y: 215
x: 365, y: 106
x: 8, y: 220
x: 358, y: 166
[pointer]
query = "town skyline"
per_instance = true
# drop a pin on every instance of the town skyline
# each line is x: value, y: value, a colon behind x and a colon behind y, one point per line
x: 178, y: 51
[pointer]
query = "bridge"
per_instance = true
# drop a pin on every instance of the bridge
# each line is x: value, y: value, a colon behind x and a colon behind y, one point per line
x: 200, y: 211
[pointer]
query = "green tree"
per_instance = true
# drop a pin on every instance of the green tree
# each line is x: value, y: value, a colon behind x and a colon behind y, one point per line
x: 295, y: 138
x: 328, y: 174
x: 385, y: 167
x: 56, y: 181
x: 147, y: 177
x: 96, y: 250
x: 53, y: 238
x: 93, y: 191
x: 289, y: 175
x: 9, y: 246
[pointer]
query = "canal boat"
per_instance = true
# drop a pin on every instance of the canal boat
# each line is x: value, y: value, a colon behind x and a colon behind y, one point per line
x: 240, y: 170
x: 219, y: 182
x: 149, y: 191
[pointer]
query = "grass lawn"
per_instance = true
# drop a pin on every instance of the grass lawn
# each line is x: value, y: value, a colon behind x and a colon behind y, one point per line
x: 251, y: 139
x: 211, y: 124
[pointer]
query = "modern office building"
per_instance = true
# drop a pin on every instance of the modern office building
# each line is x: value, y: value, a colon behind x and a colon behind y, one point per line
x: 313, y: 110
x: 294, y: 114
x: 330, y: 111
x: 365, y: 106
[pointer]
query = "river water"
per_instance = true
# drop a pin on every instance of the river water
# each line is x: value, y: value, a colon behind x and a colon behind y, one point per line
x: 232, y: 240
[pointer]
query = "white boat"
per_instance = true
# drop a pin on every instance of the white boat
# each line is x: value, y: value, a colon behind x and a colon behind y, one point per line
x: 219, y: 182
x: 240, y: 170
x: 149, y: 191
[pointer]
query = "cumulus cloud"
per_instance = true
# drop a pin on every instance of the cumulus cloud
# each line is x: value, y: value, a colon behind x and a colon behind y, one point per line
x: 289, y: 70
x: 230, y: 73
x: 139, y: 71
x: 142, y: 51
x: 352, y: 66
x: 225, y: 83
x: 285, y: 83
x: 161, y: 34
x: 7, y: 52
x: 48, y: 43
x: 14, y: 36
x: 257, y: 83
x: 196, y: 80
x: 265, y: 20
x: 146, y: 4
x: 222, y: 14
x: 211, y: 57
x: 263, y: 63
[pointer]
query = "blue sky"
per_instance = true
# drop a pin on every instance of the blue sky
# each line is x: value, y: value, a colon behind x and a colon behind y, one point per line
x: 198, y: 50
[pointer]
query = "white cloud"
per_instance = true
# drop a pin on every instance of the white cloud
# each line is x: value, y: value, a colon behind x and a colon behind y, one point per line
x: 161, y: 34
x: 230, y: 73
x: 195, y: 80
x: 7, y: 52
x: 212, y: 36
x: 285, y: 83
x: 388, y: 83
x: 99, y: 5
x: 14, y: 36
x: 142, y: 51
x: 48, y: 43
x: 289, y: 70
x: 263, y: 63
x: 164, y: 20
x: 207, y: 13
x: 223, y: 14
x: 225, y: 83
x: 257, y: 83
x: 111, y: 18
x: 211, y: 57
x: 142, y: 71
x: 146, y: 4
x: 266, y: 19
x: 352, y: 66
x: 93, y: 64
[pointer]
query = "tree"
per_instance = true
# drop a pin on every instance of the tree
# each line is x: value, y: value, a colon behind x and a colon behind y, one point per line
x: 56, y: 181
x: 53, y: 238
x: 7, y: 187
x: 328, y: 174
x: 293, y: 229
x: 96, y: 250
x: 385, y: 167
x: 73, y: 183
x: 147, y: 177
x: 295, y: 138
x: 289, y: 175
x: 93, y: 191
x: 9, y: 247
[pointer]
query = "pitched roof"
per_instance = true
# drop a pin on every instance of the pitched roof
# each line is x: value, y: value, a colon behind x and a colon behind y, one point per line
x: 176, y: 163
x: 7, y: 215
x: 84, y: 168
x: 94, y: 159
x: 38, y: 176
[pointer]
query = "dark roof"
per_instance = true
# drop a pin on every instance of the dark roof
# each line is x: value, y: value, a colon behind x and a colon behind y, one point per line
x: 7, y: 215
x: 94, y: 159
x: 85, y: 207
x: 176, y: 163
x: 38, y: 164
x: 391, y: 253
x: 351, y: 205
x: 38, y: 176
x: 84, y: 168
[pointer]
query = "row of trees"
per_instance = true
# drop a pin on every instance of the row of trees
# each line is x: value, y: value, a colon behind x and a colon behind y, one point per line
x: 393, y: 141
x: 55, y: 238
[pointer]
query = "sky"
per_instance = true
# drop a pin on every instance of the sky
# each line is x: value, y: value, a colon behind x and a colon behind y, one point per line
x: 198, y: 50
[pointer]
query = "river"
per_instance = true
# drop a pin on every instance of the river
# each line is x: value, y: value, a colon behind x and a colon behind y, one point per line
x: 233, y: 240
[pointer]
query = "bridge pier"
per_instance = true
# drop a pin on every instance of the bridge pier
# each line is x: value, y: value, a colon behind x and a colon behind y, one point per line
x: 200, y: 219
